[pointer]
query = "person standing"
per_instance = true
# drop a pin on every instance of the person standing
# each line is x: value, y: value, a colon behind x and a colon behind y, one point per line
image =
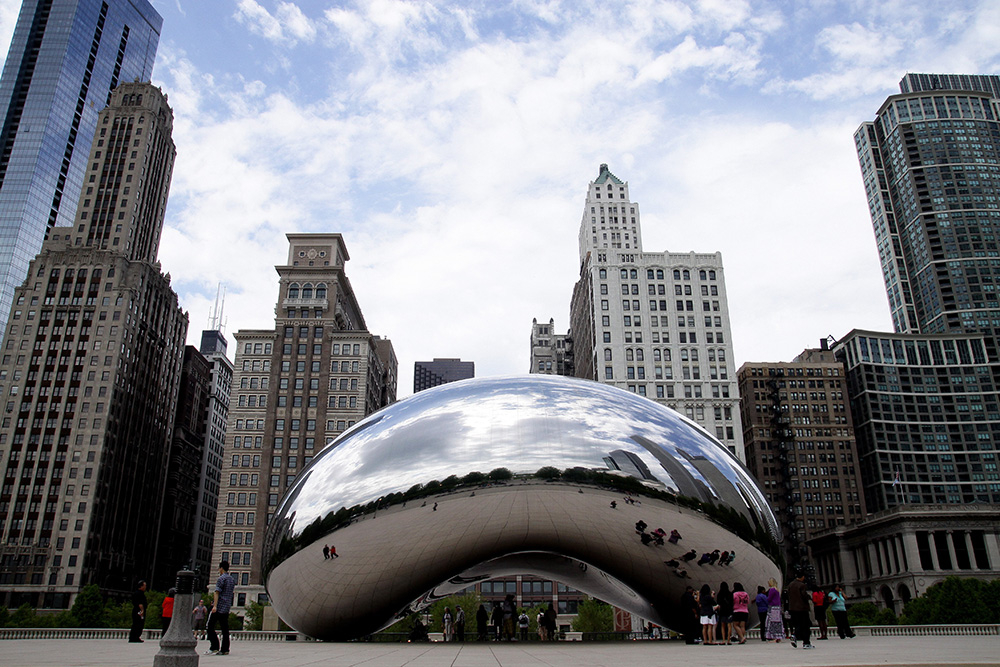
x: 775, y: 628
x: 496, y: 620
x: 798, y: 607
x: 167, y: 610
x: 819, y: 609
x: 459, y: 623
x: 509, y: 614
x: 741, y: 600
x: 522, y: 625
x: 482, y: 621
x: 200, y: 614
x: 222, y: 601
x: 550, y: 623
x: 138, y: 614
x: 838, y: 607
x: 708, y: 608
x: 690, y: 618
x: 448, y: 624
x: 761, y: 602
x: 725, y: 601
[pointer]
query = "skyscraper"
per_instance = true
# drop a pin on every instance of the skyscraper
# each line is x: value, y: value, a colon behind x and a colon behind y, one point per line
x: 91, y: 366
x: 930, y: 163
x: 427, y: 374
x: 656, y: 324
x: 65, y: 58
x: 295, y: 388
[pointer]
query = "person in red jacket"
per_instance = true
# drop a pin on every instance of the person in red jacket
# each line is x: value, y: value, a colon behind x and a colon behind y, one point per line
x: 167, y: 611
x: 819, y: 607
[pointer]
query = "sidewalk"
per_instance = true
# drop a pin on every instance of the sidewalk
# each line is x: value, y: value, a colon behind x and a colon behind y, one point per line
x: 853, y: 653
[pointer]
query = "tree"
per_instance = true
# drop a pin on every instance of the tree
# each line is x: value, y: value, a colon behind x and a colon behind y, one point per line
x: 955, y: 600
x: 500, y: 474
x: 88, y: 608
x: 594, y: 616
x: 254, y: 618
x: 548, y: 472
x: 862, y: 613
x: 4, y: 616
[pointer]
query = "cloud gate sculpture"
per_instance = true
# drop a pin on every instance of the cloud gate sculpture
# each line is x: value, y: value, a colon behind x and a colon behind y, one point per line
x: 531, y: 474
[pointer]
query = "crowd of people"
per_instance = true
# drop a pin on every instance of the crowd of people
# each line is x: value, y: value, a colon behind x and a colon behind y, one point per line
x: 720, y: 617
x: 503, y: 623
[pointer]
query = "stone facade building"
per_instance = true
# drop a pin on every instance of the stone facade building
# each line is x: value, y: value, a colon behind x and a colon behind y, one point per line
x: 655, y: 324
x: 295, y: 388
x: 551, y: 353
x: 800, y: 446
x: 90, y: 370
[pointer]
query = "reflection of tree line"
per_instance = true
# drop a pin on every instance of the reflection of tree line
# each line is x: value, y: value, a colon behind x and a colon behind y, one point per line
x: 727, y: 517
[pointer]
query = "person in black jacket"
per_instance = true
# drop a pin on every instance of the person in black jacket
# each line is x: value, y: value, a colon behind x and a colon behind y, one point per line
x: 138, y: 613
x: 482, y: 621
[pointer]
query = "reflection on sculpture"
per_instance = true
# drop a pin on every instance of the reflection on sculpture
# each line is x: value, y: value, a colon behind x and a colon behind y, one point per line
x: 515, y: 475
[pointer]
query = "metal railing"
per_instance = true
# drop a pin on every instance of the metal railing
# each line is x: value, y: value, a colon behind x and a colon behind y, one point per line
x: 122, y: 634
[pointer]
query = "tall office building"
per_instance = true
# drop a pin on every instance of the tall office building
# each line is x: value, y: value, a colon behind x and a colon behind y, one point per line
x: 427, y: 374
x: 65, y: 58
x: 800, y: 446
x: 90, y: 370
x: 213, y: 349
x: 295, y: 388
x: 930, y: 166
x: 656, y: 324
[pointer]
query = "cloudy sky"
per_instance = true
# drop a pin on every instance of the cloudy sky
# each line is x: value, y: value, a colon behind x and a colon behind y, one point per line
x: 451, y: 143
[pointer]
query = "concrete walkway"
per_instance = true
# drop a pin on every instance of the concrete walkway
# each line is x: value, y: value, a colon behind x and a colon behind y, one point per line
x: 856, y: 652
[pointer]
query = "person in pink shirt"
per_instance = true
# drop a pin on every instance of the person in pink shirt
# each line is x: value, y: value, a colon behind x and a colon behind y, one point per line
x: 740, y: 614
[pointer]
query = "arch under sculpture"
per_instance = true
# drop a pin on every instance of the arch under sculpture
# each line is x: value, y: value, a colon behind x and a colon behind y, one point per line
x: 512, y: 475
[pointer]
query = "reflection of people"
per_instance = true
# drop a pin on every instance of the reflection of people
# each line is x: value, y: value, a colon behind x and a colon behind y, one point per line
x: 326, y: 552
x: 419, y: 631
x: 222, y: 601
x: 138, y: 613
x: 333, y: 552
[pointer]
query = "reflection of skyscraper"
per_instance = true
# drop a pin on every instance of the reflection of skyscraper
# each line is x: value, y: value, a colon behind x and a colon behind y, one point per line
x: 685, y: 483
x: 65, y: 58
x: 628, y: 463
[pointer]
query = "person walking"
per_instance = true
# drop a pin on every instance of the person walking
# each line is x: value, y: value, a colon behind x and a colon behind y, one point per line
x: 167, y: 610
x: 798, y: 607
x: 775, y: 627
x: 819, y: 609
x: 708, y: 609
x: 725, y: 602
x: 741, y: 600
x: 838, y: 607
x: 222, y: 601
x: 138, y: 614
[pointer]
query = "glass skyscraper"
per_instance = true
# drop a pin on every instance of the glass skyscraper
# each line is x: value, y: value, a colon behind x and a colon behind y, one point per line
x: 65, y: 58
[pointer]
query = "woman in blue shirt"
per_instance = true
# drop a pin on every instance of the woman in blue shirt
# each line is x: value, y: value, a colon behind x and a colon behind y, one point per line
x: 838, y: 607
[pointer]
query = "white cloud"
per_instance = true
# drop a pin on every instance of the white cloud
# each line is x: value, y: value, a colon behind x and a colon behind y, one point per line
x: 287, y: 26
x: 452, y: 143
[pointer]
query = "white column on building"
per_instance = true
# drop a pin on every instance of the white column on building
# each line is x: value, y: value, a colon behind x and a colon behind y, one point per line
x: 967, y: 536
x: 931, y: 540
x: 950, y: 541
x: 912, y: 551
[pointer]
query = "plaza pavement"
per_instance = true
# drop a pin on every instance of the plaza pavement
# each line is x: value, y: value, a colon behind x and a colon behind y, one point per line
x: 952, y: 651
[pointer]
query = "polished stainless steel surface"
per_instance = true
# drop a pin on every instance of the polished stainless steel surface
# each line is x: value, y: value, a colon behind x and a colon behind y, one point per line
x: 512, y: 475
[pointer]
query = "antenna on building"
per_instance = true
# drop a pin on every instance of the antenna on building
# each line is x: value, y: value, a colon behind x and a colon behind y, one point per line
x: 215, y: 319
